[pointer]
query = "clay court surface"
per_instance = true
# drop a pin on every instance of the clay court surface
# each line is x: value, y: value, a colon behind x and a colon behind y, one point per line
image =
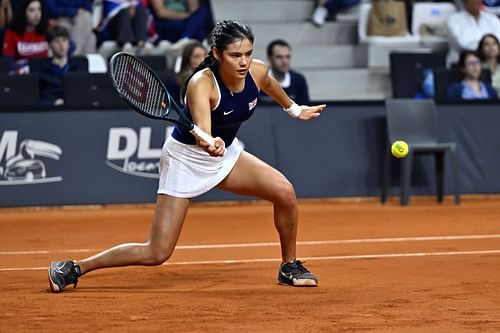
x: 423, y: 268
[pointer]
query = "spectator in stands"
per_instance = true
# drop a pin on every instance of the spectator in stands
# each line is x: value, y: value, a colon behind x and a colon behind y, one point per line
x: 279, y: 54
x: 125, y: 21
x: 76, y: 16
x: 489, y: 53
x: 53, y: 69
x: 467, y: 27
x: 25, y: 38
x: 471, y: 87
x: 192, y: 55
x: 5, y: 18
x: 326, y: 8
x: 178, y: 21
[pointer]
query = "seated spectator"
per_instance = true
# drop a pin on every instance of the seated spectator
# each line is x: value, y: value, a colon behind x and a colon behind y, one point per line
x: 25, y: 38
x: 125, y: 21
x: 76, y: 16
x: 181, y: 20
x: 5, y: 18
x: 489, y: 53
x: 53, y: 69
x: 468, y: 26
x: 294, y: 83
x: 470, y: 87
x: 192, y: 55
x: 326, y: 8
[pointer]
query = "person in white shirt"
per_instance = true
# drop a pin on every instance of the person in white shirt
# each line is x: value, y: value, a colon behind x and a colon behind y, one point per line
x: 467, y: 27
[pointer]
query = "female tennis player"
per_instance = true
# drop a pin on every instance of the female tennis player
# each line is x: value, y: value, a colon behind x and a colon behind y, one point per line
x: 221, y: 94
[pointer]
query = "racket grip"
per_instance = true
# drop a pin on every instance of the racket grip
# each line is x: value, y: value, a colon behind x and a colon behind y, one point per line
x: 202, y: 135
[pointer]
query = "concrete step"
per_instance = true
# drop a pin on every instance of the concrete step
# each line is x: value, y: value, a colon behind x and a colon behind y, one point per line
x: 314, y: 56
x: 378, y: 56
x: 262, y: 10
x: 304, y: 33
x: 347, y: 84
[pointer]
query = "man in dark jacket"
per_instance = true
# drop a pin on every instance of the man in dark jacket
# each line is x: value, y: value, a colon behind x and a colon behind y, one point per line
x: 295, y: 85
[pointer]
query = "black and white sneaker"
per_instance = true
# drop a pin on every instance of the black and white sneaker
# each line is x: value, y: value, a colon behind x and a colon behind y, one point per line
x: 295, y: 274
x: 63, y: 273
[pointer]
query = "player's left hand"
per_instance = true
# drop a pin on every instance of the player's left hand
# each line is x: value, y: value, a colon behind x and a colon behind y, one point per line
x: 310, y: 112
x: 218, y: 149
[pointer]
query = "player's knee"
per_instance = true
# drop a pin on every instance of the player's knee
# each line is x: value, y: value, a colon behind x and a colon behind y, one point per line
x: 287, y: 195
x: 159, y: 255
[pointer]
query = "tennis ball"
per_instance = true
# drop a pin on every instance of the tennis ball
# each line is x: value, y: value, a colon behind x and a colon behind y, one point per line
x: 399, y: 149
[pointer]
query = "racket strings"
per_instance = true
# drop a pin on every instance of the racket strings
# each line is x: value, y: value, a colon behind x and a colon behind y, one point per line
x: 139, y: 86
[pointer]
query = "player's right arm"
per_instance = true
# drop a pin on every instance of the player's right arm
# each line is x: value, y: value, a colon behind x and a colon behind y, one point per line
x: 201, y: 95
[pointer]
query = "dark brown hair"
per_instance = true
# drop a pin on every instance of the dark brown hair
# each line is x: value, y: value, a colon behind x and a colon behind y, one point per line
x: 224, y: 33
x: 18, y: 23
x: 479, y: 50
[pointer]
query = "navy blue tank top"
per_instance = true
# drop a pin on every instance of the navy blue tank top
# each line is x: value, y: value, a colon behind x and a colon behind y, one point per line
x: 229, y: 113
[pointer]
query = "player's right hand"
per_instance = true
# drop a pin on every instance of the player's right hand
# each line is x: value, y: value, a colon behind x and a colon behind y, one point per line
x: 218, y: 149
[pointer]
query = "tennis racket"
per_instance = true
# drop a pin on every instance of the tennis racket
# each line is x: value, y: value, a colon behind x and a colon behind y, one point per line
x: 143, y: 90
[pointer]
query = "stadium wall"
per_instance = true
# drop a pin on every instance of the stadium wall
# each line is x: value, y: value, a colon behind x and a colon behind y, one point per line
x: 70, y: 157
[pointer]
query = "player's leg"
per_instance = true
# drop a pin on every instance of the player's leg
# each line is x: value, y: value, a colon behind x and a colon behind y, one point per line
x: 167, y: 223
x: 251, y: 176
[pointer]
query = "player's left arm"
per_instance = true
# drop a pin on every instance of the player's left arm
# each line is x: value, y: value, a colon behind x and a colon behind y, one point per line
x: 272, y: 88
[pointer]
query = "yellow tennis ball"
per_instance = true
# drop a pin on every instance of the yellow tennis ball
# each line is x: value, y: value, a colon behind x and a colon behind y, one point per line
x: 399, y: 149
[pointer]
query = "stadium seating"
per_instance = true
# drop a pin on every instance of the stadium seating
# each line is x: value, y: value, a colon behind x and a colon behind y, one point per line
x: 90, y: 90
x: 406, y: 71
x: 431, y: 16
x: 19, y: 91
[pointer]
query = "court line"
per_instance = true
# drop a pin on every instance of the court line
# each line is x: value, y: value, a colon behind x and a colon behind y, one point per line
x: 344, y: 257
x: 270, y: 244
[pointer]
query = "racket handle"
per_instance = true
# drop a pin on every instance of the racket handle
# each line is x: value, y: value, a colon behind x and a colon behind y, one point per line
x: 196, y: 131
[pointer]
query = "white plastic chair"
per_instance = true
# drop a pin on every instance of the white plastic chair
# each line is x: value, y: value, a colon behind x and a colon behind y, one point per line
x: 97, y: 64
x: 435, y: 14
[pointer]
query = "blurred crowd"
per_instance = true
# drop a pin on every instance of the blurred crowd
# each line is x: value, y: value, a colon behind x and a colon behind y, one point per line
x: 63, y: 31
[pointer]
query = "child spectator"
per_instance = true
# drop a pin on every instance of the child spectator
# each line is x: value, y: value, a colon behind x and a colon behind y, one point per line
x: 53, y: 69
x: 489, y: 53
x: 5, y: 18
x: 76, y: 16
x: 181, y: 20
x: 471, y: 87
x: 25, y: 38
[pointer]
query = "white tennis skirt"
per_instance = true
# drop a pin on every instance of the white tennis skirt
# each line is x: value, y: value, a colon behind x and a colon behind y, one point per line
x: 187, y: 171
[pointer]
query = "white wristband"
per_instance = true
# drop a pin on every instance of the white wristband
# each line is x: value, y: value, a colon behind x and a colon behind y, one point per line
x: 294, y: 111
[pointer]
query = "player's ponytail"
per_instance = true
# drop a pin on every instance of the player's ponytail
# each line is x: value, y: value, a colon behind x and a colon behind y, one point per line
x: 224, y: 33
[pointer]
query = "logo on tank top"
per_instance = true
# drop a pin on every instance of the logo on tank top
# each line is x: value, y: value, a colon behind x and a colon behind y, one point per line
x: 252, y: 104
x: 26, y: 164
